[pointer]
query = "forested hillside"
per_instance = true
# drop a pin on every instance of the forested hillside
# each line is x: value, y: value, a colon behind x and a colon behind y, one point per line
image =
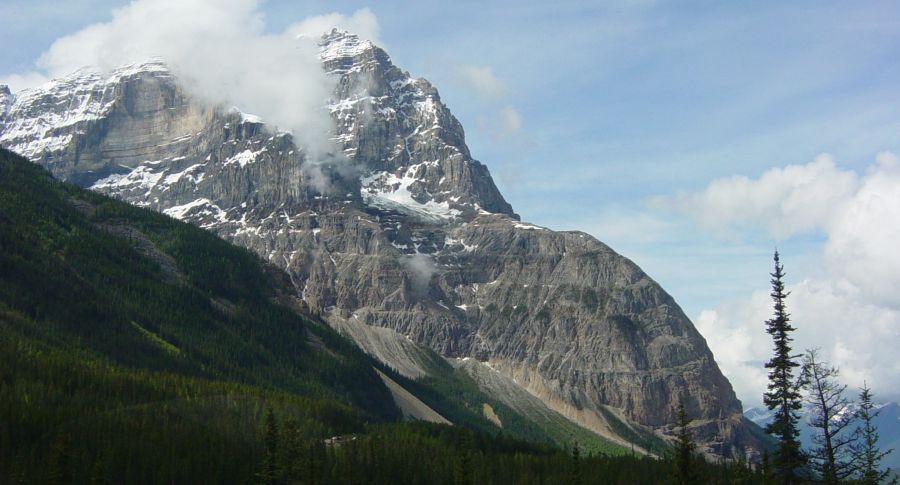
x: 128, y: 334
x: 138, y: 349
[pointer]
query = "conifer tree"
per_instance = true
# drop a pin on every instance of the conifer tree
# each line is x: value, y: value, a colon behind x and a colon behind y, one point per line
x: 741, y: 472
x: 17, y: 474
x: 866, y: 453
x: 685, y: 470
x: 575, y: 477
x: 60, y: 461
x: 268, y: 474
x: 783, y: 395
x: 463, y: 464
x: 831, y: 418
x: 765, y: 468
x: 98, y: 474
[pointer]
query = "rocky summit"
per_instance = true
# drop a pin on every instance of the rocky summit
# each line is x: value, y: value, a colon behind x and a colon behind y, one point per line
x: 400, y: 239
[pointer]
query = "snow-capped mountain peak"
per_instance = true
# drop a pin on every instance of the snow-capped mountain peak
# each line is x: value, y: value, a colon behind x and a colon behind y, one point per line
x: 412, y: 245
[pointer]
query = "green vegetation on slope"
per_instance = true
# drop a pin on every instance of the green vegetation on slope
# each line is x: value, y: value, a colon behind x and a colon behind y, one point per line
x: 430, y: 454
x: 131, y: 333
x: 138, y: 349
x: 88, y: 269
x: 455, y: 395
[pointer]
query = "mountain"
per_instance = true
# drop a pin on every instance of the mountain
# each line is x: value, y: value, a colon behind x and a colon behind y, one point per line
x: 138, y: 349
x: 887, y: 422
x: 411, y: 248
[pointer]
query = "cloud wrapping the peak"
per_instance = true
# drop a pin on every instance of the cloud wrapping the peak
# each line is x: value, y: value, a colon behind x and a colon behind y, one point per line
x: 220, y: 50
x: 363, y: 23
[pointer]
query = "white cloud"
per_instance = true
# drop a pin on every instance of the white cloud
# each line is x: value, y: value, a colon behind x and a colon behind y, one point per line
x: 851, y: 308
x: 363, y: 23
x: 221, y: 51
x: 23, y: 80
x: 736, y: 335
x: 420, y: 268
x: 503, y: 124
x: 855, y: 334
x: 482, y: 80
x: 510, y: 121
x: 785, y: 201
x: 864, y: 234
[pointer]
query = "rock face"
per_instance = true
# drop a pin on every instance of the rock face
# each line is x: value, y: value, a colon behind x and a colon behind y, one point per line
x: 414, y: 239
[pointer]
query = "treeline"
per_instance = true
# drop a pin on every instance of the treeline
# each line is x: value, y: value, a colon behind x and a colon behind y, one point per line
x: 432, y: 454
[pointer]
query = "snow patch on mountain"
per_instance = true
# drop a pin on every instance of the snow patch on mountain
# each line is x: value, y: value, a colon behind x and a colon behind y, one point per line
x: 388, y: 191
x: 244, y: 158
x: 202, y: 209
x: 451, y: 242
x: 6, y: 100
x: 142, y: 177
x: 189, y: 173
x: 530, y: 227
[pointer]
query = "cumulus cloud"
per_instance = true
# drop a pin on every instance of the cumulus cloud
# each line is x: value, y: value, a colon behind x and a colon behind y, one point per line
x: 221, y: 51
x: 852, y: 309
x: 785, y: 201
x: 864, y: 233
x: 855, y: 334
x: 482, y: 80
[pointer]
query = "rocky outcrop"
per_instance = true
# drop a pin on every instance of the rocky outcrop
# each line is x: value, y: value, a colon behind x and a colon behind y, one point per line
x: 412, y: 242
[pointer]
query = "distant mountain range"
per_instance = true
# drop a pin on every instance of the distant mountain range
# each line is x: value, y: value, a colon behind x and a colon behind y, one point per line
x: 888, y: 423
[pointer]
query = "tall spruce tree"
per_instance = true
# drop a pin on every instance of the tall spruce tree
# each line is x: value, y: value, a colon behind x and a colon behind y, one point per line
x: 831, y: 419
x: 866, y: 452
x: 783, y: 395
x: 575, y: 473
x: 269, y: 473
x: 685, y: 470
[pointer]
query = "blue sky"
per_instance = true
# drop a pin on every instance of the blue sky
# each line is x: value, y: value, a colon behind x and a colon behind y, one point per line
x: 621, y: 118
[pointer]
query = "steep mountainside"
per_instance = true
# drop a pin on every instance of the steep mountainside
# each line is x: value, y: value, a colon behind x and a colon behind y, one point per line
x: 413, y: 244
x: 138, y: 349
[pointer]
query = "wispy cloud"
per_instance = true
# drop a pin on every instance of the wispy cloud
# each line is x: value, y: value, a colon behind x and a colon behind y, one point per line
x: 481, y: 80
x: 501, y: 122
x: 510, y: 121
